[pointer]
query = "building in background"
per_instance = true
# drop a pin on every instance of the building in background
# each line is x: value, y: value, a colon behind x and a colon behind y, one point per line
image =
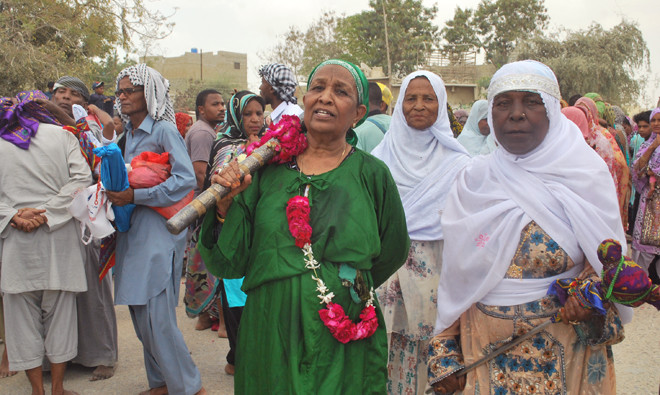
x: 197, y: 70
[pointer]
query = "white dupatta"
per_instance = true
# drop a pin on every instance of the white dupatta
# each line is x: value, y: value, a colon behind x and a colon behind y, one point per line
x: 563, y: 185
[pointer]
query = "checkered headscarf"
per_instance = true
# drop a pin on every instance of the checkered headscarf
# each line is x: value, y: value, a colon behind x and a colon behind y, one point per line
x: 72, y: 83
x: 282, y: 79
x: 156, y: 92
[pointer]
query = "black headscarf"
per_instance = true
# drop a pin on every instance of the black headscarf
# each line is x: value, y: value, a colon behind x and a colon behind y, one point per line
x: 232, y: 132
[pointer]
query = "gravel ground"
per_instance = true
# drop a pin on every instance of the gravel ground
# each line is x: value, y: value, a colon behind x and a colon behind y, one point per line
x: 637, y: 357
x: 637, y: 360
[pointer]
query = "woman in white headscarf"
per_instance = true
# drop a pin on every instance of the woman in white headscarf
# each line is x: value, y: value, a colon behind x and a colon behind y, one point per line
x: 533, y: 211
x: 424, y: 158
x: 476, y: 132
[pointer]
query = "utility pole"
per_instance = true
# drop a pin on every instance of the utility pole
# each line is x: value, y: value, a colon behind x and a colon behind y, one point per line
x: 387, y: 45
x: 201, y: 62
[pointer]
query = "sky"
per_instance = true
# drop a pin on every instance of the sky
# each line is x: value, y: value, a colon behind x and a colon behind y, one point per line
x: 254, y: 26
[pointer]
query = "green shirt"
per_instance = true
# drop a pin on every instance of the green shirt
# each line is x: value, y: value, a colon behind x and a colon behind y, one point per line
x: 356, y: 217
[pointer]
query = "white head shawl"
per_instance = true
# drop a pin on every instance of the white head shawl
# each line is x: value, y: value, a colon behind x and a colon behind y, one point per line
x: 156, y: 92
x: 563, y: 185
x: 424, y: 163
x: 471, y: 137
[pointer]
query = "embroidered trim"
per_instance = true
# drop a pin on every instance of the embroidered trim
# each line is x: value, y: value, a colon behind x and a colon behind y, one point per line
x: 515, y: 82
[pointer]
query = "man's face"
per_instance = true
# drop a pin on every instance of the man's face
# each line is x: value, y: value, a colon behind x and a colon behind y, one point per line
x: 644, y: 129
x: 131, y: 98
x: 266, y: 91
x: 213, y: 110
x: 65, y: 98
x: 100, y: 90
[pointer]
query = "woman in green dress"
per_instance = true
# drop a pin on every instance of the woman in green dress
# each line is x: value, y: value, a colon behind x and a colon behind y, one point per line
x: 359, y: 238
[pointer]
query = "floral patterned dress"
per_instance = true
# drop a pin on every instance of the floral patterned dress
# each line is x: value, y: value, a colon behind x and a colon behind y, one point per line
x: 409, y: 301
x: 623, y: 182
x: 562, y: 359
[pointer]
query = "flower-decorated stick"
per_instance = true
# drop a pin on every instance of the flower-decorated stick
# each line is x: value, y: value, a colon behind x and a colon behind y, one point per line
x: 279, y: 144
x: 208, y: 199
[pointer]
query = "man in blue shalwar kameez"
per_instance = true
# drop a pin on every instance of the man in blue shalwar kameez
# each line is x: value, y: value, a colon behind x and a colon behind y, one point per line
x: 149, y: 258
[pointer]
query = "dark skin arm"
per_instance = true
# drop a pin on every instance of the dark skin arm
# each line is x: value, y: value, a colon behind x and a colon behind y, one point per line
x: 59, y: 113
x: 106, y: 120
x: 65, y: 119
x: 450, y: 384
x: 200, y: 172
x: 121, y: 198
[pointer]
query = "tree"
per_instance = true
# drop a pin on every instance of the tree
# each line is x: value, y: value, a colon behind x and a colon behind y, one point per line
x: 594, y: 60
x: 302, y: 51
x: 412, y: 34
x: 458, y: 33
x: 185, y: 94
x: 321, y: 42
x: 496, y: 26
x: 288, y: 50
x: 361, y: 38
x: 43, y: 40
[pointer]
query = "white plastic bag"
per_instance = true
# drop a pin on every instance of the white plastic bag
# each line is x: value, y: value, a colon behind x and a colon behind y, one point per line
x: 92, y: 208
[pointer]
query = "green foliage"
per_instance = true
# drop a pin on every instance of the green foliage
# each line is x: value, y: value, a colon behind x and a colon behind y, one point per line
x: 43, y: 40
x: 184, y: 94
x: 458, y: 33
x: 361, y: 38
x: 107, y: 70
x: 496, y: 26
x: 594, y: 60
x: 321, y: 42
x: 288, y: 51
x: 411, y: 33
x: 302, y: 51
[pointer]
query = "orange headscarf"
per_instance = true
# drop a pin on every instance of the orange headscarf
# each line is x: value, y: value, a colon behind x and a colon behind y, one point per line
x: 182, y: 120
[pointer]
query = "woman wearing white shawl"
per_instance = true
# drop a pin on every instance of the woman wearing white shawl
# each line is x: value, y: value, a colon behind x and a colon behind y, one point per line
x: 514, y: 223
x: 472, y: 138
x: 424, y: 162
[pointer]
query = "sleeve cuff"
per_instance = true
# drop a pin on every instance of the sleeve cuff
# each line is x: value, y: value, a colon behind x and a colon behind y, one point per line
x: 105, y: 141
x: 140, y: 196
x: 445, y: 358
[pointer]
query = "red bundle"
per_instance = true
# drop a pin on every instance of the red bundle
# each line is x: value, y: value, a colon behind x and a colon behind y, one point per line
x: 150, y: 169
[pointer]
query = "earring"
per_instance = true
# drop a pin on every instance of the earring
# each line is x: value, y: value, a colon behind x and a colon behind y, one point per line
x: 354, y: 125
x: 524, y: 116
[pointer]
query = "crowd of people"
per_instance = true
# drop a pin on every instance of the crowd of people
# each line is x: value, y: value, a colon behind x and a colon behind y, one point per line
x: 384, y: 256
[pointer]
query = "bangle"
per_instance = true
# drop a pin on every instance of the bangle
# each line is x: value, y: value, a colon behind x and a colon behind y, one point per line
x: 219, y: 218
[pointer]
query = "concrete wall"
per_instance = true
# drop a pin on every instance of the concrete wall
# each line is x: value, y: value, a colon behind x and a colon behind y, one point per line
x: 230, y: 68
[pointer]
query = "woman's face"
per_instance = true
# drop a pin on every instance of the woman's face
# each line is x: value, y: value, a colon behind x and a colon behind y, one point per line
x: 420, y: 104
x: 253, y: 118
x: 628, y: 129
x: 331, y: 103
x: 188, y: 125
x: 655, y: 123
x: 484, y: 129
x: 520, y: 121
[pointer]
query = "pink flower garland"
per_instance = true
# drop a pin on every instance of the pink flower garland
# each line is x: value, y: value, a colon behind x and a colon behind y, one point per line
x: 291, y: 143
x: 297, y: 214
x: 288, y: 132
x: 333, y: 316
x: 345, y: 330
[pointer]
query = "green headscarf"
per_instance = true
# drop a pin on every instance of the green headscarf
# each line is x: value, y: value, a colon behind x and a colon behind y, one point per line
x: 600, y: 103
x: 361, y: 84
